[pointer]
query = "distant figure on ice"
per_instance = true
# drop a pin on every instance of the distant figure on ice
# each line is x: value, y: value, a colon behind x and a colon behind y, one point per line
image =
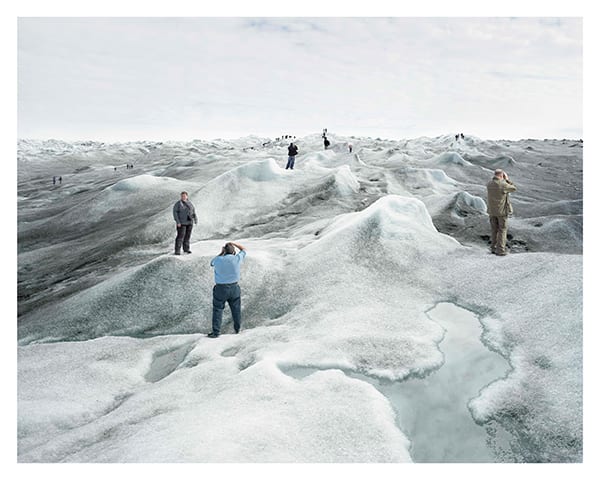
x: 185, y: 217
x: 115, y: 169
x: 292, y: 152
x: 456, y: 137
x: 54, y: 180
x: 60, y: 180
x: 498, y: 209
x: 326, y: 142
x: 349, y: 148
x: 227, y: 275
x: 462, y: 136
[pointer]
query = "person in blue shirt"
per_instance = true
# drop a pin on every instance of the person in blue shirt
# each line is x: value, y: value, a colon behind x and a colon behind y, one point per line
x: 226, y: 290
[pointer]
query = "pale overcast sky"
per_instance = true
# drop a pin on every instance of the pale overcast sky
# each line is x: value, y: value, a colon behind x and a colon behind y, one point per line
x: 184, y: 78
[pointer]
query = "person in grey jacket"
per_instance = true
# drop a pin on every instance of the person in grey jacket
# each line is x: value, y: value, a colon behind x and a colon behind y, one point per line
x: 185, y: 217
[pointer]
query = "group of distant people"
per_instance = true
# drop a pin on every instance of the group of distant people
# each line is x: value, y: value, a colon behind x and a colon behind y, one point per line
x: 128, y: 166
x: 293, y: 150
x: 459, y: 135
x: 55, y: 178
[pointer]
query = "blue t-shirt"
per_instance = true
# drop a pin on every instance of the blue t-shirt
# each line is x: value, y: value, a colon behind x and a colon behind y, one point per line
x: 227, y: 267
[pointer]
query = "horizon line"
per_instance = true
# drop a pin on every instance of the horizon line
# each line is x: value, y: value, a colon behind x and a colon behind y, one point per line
x: 231, y: 138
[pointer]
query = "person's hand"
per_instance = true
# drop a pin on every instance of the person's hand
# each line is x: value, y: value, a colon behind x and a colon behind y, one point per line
x: 505, y: 176
x: 178, y: 225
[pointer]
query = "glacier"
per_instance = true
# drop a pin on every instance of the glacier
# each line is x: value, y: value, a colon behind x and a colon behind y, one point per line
x: 376, y: 327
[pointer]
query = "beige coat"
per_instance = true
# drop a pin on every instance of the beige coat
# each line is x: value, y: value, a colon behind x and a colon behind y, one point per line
x: 498, y: 204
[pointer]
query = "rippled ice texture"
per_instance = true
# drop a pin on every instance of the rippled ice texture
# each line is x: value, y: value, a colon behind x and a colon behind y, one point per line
x: 348, y: 255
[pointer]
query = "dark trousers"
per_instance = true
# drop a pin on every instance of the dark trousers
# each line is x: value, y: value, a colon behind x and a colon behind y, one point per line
x: 499, y: 234
x: 290, y: 163
x: 183, y: 236
x: 226, y: 293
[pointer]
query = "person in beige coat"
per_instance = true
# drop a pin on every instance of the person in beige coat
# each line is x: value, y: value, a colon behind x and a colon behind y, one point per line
x: 499, y: 208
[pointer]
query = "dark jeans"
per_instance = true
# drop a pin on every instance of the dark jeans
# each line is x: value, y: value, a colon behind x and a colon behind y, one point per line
x: 226, y: 293
x: 183, y: 236
x: 290, y: 163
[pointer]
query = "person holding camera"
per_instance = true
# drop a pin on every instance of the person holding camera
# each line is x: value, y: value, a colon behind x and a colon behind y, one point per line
x: 226, y: 290
x: 499, y: 208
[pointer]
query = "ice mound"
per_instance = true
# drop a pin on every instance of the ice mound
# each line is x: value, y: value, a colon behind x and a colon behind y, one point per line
x: 259, y: 171
x: 345, y: 180
x: 140, y: 183
x: 167, y: 295
x: 449, y: 158
x: 229, y: 201
x: 458, y: 205
x: 491, y: 163
x: 368, y: 326
x: 558, y: 233
x: 322, y: 159
x: 392, y: 219
x: 135, y: 195
x: 157, y: 297
x: 464, y: 204
x: 425, y: 180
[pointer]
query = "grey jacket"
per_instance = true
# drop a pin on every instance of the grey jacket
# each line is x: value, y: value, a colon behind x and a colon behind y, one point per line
x: 184, y: 213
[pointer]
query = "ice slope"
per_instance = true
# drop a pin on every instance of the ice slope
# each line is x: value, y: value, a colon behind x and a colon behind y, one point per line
x: 347, y: 255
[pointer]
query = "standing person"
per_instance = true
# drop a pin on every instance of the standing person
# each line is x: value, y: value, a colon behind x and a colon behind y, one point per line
x: 499, y: 208
x: 349, y: 148
x: 326, y: 142
x: 226, y: 290
x: 184, y: 214
x: 54, y: 180
x: 292, y: 152
x: 60, y: 180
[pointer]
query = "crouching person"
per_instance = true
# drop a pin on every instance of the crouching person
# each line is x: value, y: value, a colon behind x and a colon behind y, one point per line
x: 226, y: 290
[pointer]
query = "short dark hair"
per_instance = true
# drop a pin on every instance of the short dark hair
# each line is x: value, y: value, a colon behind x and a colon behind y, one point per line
x: 229, y: 248
x: 183, y: 193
